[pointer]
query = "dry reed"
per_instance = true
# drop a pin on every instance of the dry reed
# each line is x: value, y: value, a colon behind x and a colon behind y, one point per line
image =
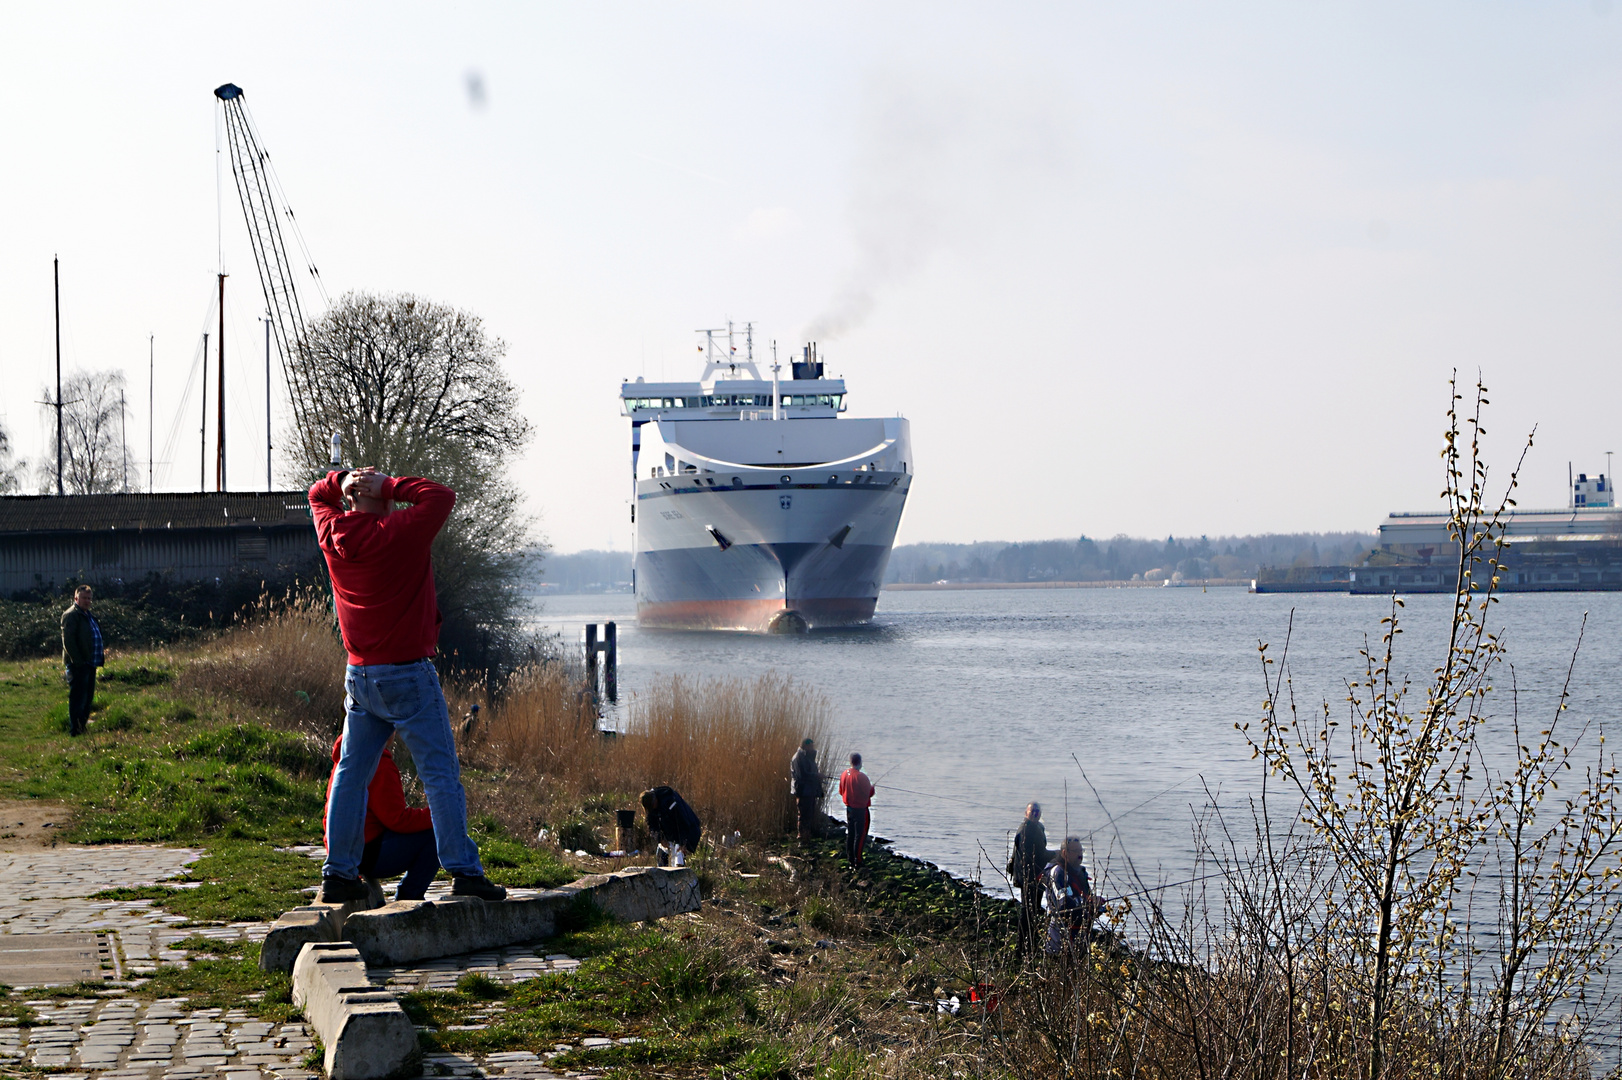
x: 286, y: 658
x: 724, y: 744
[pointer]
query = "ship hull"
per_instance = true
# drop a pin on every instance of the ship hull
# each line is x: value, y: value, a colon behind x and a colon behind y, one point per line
x: 763, y: 555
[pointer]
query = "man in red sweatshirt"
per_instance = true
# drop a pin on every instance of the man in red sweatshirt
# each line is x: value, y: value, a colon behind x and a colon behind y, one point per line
x: 399, y: 838
x: 383, y: 586
x: 857, y: 791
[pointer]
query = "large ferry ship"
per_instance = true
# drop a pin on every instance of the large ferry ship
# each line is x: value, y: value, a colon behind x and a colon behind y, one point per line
x: 758, y: 507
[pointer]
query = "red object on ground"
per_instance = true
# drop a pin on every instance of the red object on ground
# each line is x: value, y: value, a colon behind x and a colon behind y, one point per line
x: 382, y: 577
x: 986, y: 996
x: 385, y: 800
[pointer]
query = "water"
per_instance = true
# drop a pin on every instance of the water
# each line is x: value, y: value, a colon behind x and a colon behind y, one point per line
x: 968, y: 704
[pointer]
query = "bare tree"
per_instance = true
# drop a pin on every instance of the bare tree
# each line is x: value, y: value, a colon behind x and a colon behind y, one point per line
x: 417, y: 388
x: 94, y: 457
x: 12, y: 470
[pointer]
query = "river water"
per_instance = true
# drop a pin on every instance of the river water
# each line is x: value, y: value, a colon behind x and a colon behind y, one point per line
x: 968, y: 704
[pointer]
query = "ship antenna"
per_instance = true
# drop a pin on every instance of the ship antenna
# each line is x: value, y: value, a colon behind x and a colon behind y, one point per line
x: 777, y: 411
x: 749, y: 341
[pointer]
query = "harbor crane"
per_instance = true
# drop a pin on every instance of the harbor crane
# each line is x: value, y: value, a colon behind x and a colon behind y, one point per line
x: 258, y: 192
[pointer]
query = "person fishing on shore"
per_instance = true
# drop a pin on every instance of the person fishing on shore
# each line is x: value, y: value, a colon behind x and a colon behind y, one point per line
x: 383, y: 588
x: 857, y: 792
x: 1071, y: 904
x: 805, y: 782
x: 1025, y: 866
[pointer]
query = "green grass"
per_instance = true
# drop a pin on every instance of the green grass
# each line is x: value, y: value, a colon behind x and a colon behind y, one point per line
x: 690, y: 1003
x: 225, y: 982
x: 241, y: 881
x: 155, y: 767
x: 160, y: 767
x: 508, y: 862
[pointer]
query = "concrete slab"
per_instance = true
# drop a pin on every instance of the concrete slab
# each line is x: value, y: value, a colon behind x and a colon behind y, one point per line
x: 404, y: 932
x: 50, y: 959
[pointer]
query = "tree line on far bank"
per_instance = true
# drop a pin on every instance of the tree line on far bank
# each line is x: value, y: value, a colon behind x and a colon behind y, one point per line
x: 1121, y: 558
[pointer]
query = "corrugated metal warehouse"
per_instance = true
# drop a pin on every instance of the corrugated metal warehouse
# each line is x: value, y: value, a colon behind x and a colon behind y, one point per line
x: 49, y: 541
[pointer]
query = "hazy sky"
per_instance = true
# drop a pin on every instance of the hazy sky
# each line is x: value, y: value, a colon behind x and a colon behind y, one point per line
x: 1172, y: 268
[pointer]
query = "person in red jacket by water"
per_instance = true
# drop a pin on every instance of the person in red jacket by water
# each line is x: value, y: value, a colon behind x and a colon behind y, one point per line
x: 857, y: 791
x: 383, y: 587
x: 399, y: 838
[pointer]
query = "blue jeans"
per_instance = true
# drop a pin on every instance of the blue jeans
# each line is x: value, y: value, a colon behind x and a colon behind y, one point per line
x: 411, y: 854
x: 383, y: 699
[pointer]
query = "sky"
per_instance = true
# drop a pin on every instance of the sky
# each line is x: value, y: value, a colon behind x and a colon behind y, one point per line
x: 1146, y: 269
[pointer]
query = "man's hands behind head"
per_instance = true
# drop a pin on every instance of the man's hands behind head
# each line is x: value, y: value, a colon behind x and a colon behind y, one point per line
x: 364, y: 483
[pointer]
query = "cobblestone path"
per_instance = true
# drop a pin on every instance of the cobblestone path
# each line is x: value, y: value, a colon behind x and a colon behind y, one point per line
x: 115, y: 1037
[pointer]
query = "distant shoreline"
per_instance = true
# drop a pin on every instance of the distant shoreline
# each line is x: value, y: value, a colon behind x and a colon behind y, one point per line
x: 1212, y: 583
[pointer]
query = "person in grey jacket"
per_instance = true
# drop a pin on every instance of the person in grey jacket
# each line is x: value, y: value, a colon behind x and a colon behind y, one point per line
x: 806, y: 784
x: 83, y: 653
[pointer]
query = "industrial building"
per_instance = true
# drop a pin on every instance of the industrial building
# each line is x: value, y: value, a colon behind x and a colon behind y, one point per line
x: 48, y: 542
x: 1577, y: 549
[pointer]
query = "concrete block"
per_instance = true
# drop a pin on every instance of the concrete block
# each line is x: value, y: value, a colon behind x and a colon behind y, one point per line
x: 313, y: 922
x: 408, y: 931
x: 642, y: 893
x: 366, y: 1034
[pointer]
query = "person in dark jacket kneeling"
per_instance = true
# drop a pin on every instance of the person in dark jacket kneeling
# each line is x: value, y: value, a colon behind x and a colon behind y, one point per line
x: 671, y: 822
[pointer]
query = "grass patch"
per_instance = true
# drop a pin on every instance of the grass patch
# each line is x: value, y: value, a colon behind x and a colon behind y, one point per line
x: 239, y: 882
x: 512, y: 863
x: 225, y: 982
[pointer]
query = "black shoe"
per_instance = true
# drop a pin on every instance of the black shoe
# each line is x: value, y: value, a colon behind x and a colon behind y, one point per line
x: 337, y: 890
x: 480, y: 886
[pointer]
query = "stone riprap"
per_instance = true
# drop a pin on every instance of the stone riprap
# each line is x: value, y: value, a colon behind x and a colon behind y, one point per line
x: 367, y: 1036
x: 407, y: 931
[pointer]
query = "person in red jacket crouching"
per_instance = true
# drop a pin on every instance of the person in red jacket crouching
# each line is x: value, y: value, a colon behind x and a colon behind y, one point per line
x: 399, y: 838
x: 383, y: 588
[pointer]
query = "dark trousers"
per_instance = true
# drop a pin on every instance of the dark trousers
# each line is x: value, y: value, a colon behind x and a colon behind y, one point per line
x: 1033, y: 923
x: 81, y: 693
x: 810, y: 808
x: 412, y: 854
x: 857, y: 820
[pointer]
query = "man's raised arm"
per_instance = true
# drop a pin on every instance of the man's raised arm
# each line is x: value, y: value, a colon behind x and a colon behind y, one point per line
x: 430, y: 508
x: 327, y: 502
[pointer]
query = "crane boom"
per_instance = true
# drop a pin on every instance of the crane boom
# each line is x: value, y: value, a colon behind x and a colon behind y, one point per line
x: 250, y: 165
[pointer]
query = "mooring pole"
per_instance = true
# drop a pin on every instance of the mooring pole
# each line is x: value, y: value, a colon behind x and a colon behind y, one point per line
x: 591, y: 657
x: 611, y: 662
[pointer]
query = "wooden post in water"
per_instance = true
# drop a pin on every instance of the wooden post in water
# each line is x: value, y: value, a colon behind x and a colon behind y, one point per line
x: 611, y: 679
x: 591, y: 659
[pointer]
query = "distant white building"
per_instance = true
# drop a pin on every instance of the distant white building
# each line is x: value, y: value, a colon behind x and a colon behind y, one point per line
x: 1591, y: 494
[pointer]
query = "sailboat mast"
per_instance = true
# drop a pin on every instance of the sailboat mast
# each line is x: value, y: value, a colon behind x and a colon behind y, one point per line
x: 56, y: 289
x: 219, y: 409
